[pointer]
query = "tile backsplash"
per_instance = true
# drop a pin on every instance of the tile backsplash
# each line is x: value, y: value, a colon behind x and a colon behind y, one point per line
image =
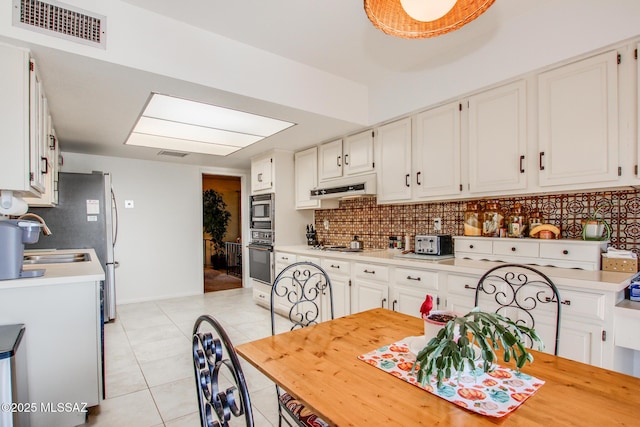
x: 374, y: 223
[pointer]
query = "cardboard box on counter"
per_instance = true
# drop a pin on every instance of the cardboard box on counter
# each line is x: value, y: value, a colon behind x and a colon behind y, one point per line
x: 625, y: 265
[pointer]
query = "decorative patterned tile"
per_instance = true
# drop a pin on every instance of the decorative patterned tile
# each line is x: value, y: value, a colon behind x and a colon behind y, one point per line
x: 375, y: 223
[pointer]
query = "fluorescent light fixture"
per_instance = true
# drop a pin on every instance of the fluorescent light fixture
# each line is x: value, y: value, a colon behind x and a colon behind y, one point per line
x: 178, y: 124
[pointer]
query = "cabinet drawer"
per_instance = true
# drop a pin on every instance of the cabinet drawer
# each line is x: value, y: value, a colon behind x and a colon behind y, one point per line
x: 516, y: 248
x: 582, y: 304
x: 416, y: 278
x: 378, y: 273
x: 564, y: 251
x: 285, y: 258
x: 462, y: 285
x: 301, y: 258
x: 334, y: 266
x: 479, y: 246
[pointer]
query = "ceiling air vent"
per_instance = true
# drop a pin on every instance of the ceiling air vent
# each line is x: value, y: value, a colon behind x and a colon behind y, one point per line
x: 172, y: 153
x: 61, y: 20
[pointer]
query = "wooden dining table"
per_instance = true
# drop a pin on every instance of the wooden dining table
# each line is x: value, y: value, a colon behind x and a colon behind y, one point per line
x: 320, y: 366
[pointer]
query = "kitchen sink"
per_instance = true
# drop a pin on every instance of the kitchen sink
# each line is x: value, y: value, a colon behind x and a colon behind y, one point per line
x: 56, y: 258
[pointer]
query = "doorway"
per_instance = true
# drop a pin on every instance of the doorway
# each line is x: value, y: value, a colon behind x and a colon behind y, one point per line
x: 223, y: 259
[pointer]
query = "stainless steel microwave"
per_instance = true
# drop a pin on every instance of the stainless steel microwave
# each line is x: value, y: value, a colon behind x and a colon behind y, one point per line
x: 262, y: 210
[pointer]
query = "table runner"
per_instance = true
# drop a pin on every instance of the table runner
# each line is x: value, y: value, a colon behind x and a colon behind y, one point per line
x: 493, y: 393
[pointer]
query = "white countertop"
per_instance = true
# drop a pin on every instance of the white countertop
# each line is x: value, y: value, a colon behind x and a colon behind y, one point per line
x: 58, y: 273
x: 585, y: 279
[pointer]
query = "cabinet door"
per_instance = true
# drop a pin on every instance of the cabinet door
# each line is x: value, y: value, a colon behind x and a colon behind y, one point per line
x: 578, y: 122
x: 37, y: 143
x: 341, y: 286
x: 408, y: 300
x: 436, y: 152
x: 368, y: 295
x: 393, y: 157
x: 581, y: 342
x: 330, y: 160
x: 262, y: 174
x: 498, y: 139
x: 358, y: 153
x: 306, y: 173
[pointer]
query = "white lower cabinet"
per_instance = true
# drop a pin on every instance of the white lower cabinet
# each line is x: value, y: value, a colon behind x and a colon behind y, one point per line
x: 410, y: 287
x: 581, y: 341
x: 370, y: 286
x: 339, y: 272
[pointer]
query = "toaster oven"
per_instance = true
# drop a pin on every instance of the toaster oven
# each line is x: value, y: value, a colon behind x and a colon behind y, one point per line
x: 437, y: 244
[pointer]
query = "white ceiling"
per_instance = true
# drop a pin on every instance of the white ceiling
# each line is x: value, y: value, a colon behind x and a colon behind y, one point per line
x: 95, y: 103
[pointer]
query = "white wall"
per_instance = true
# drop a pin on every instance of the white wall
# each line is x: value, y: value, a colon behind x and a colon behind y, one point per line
x: 159, y: 245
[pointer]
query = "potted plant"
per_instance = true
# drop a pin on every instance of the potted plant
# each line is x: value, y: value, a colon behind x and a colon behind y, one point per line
x: 476, y: 335
x: 215, y: 218
x: 595, y: 227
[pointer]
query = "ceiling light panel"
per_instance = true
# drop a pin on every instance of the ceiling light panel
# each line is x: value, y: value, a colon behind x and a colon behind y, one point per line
x: 197, y: 113
x: 179, y: 124
x: 186, y: 131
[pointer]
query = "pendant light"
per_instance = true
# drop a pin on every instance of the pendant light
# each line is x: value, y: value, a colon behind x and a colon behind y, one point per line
x: 416, y: 19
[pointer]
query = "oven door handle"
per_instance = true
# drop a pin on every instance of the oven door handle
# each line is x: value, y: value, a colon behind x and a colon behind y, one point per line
x: 260, y: 248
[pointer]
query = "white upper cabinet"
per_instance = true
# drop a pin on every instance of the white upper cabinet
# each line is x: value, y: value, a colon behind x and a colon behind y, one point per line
x: 262, y: 174
x: 330, y: 160
x: 497, y: 139
x: 578, y: 122
x: 353, y: 156
x: 393, y: 157
x: 358, y: 153
x: 306, y: 178
x: 436, y: 153
x: 22, y: 108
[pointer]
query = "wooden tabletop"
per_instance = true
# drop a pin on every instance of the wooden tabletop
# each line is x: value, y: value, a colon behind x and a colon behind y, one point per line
x: 319, y: 365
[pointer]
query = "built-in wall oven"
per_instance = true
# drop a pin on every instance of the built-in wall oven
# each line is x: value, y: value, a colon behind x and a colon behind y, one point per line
x: 262, y: 209
x: 261, y: 263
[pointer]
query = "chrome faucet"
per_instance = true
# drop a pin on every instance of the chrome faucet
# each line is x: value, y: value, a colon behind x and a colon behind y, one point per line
x: 45, y: 229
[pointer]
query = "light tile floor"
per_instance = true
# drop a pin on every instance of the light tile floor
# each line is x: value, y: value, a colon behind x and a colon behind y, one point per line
x: 149, y: 378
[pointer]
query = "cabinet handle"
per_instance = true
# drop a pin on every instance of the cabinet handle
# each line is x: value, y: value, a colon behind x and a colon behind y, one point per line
x: 414, y: 278
x: 565, y: 302
x: 418, y: 178
x: 285, y: 258
x: 45, y: 170
x: 260, y: 177
x: 335, y: 266
x: 383, y: 301
x: 565, y: 252
x: 469, y: 287
x: 346, y: 159
x: 370, y: 271
x: 52, y: 142
x: 541, y: 165
x: 406, y: 180
x: 521, y: 164
x: 513, y: 249
x: 338, y: 161
x: 393, y: 304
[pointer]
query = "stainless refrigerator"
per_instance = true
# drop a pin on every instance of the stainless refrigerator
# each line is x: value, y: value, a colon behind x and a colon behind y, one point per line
x: 86, y: 217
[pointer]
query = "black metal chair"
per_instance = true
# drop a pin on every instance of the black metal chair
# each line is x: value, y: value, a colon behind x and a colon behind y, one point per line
x: 213, y: 353
x: 304, y: 288
x: 520, y: 291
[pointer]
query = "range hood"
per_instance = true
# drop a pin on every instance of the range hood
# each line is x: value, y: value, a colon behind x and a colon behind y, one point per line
x: 346, y: 187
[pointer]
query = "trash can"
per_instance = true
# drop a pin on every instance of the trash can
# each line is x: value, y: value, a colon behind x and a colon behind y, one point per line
x: 14, y: 394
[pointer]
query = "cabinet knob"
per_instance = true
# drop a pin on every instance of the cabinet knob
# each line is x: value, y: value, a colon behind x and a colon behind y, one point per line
x: 565, y: 252
x: 470, y: 246
x: 513, y: 249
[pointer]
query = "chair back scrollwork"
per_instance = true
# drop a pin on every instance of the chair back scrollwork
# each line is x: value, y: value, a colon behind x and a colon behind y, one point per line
x: 220, y: 383
x: 522, y: 293
x: 302, y: 287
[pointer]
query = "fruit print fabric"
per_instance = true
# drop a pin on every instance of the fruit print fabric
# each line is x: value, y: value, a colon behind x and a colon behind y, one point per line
x: 492, y: 394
